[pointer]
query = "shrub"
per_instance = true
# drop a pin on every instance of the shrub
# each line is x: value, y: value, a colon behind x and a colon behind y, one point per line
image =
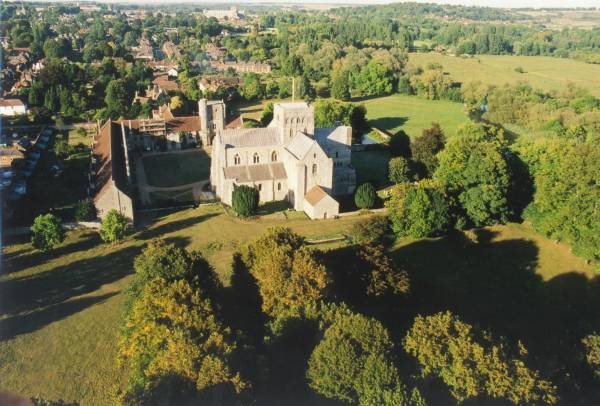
x: 519, y: 69
x: 114, y: 227
x: 244, y: 200
x: 425, y: 147
x: 592, y: 352
x: 399, y: 170
x: 47, y: 232
x: 85, y: 210
x: 365, y: 196
x: 371, y: 230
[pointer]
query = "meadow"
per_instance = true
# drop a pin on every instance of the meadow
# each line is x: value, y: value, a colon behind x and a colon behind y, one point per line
x: 542, y: 72
x: 60, y: 311
x: 177, y: 169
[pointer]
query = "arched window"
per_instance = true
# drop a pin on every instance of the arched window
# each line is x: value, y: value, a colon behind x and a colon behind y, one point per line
x: 274, y: 156
x: 256, y: 158
x: 278, y: 185
x: 236, y: 159
x: 259, y: 187
x: 314, y: 169
x: 337, y: 154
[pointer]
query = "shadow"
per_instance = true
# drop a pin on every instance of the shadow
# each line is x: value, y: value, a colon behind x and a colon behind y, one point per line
x: 388, y: 123
x: 27, y: 323
x: 26, y: 294
x: 31, y: 258
x: 273, y: 207
x: 171, y: 227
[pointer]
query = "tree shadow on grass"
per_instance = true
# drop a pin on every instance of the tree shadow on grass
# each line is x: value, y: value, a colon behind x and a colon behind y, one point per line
x: 388, y: 123
x: 27, y: 323
x: 22, y: 295
x: 28, y: 258
x: 173, y: 226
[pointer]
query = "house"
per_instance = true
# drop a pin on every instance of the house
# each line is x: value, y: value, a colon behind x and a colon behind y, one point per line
x: 11, y: 157
x: 110, y: 174
x: 171, y: 51
x: 164, y: 84
x: 241, y: 67
x: 173, y: 133
x: 214, y: 83
x: 289, y: 160
x: 215, y: 52
x: 162, y: 65
x: 172, y: 72
x: 152, y: 95
x: 144, y: 51
x: 231, y: 14
x: 12, y: 107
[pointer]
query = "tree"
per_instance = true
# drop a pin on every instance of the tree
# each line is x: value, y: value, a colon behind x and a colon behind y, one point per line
x: 267, y: 114
x: 46, y: 232
x: 114, y: 227
x: 425, y: 147
x: 376, y: 79
x: 340, y: 89
x: 85, y: 210
x: 383, y: 277
x: 591, y: 344
x: 175, y: 347
x: 418, y: 210
x: 117, y: 98
x: 476, y: 173
x: 399, y: 145
x: 471, y: 364
x: 244, y: 200
x: 399, y: 170
x: 371, y: 230
x: 354, y: 363
x: 288, y: 274
x: 330, y: 112
x: 176, y: 103
x: 251, y: 88
x: 365, y: 196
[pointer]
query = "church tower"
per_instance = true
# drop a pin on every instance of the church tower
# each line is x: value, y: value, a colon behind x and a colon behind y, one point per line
x: 291, y: 118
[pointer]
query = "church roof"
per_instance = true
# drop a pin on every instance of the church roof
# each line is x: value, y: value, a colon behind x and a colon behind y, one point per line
x: 300, y: 145
x: 249, y: 137
x: 334, y: 134
x: 255, y: 173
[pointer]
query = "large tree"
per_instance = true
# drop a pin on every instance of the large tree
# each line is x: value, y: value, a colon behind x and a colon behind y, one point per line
x: 477, y: 174
x: 47, y: 232
x: 354, y: 363
x: 425, y: 148
x: 471, y: 364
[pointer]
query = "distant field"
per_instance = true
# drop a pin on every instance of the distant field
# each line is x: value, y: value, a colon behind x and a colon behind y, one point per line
x: 540, y: 71
x: 413, y: 114
x: 60, y: 311
x: 177, y: 169
x: 391, y: 113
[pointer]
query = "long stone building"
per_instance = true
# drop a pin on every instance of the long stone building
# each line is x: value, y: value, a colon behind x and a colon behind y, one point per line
x: 289, y: 160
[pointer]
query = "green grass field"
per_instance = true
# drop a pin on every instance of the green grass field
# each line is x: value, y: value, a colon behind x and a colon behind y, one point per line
x: 60, y: 311
x: 177, y: 169
x: 542, y: 72
x: 413, y: 114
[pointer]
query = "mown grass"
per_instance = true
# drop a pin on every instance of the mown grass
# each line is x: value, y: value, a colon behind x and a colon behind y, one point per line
x: 177, y: 169
x: 542, y: 72
x: 413, y: 114
x: 60, y: 311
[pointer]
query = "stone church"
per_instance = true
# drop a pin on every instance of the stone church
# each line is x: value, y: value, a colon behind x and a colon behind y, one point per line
x: 289, y: 160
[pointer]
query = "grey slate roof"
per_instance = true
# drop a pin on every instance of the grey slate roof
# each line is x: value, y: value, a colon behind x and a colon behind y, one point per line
x: 249, y: 137
x: 255, y: 173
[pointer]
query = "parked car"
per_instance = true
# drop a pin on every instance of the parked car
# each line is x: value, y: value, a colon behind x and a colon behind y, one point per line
x: 20, y: 187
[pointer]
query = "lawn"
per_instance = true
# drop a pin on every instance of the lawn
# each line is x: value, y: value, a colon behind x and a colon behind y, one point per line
x: 177, y: 169
x: 60, y: 311
x: 413, y: 114
x: 371, y: 166
x: 542, y: 72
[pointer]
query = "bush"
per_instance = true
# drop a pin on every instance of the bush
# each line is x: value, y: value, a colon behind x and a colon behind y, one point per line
x: 244, y: 200
x: 592, y: 352
x: 365, y: 196
x: 114, y: 227
x: 47, y: 232
x: 85, y: 210
x: 371, y: 230
x: 519, y: 69
x: 399, y: 170
x: 426, y: 146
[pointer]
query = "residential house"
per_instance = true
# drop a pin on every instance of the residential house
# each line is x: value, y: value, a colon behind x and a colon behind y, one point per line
x: 12, y: 107
x: 213, y: 83
x: 11, y: 157
x: 241, y: 67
